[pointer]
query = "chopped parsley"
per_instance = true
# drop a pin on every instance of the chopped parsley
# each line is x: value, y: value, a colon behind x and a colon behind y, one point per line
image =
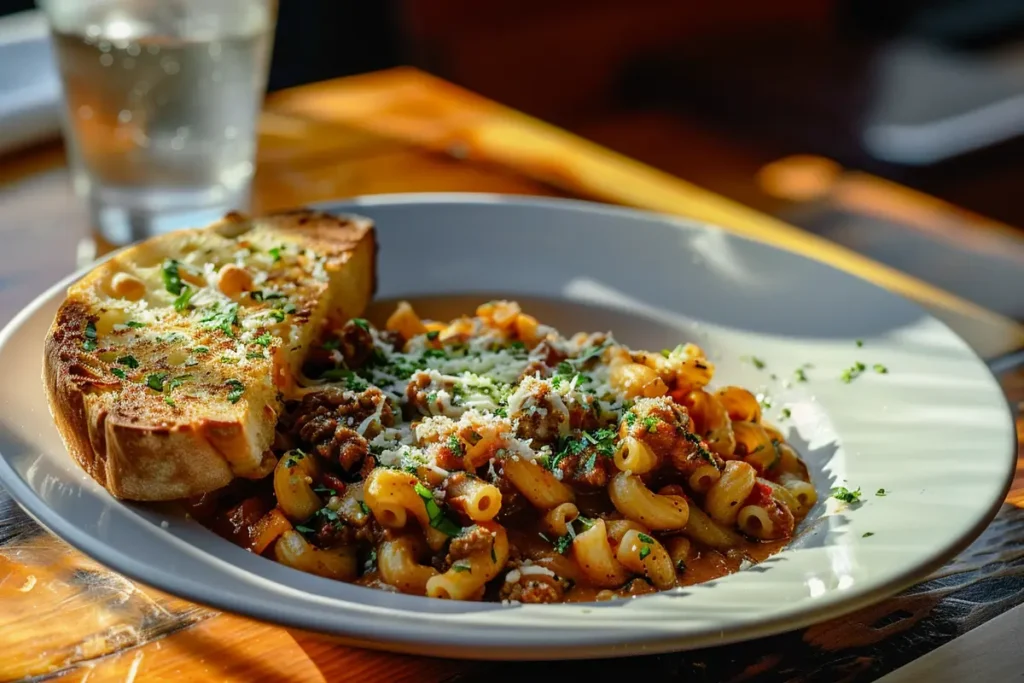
x: 275, y: 253
x: 351, y: 379
x: 786, y: 413
x: 253, y: 355
x: 846, y: 495
x: 172, y: 278
x: 880, y: 369
x: 463, y: 566
x: 852, y: 372
x: 265, y: 296
x: 329, y: 345
x: 361, y: 323
x: 178, y: 381
x: 230, y: 360
x: 264, y: 339
x: 132, y: 323
x: 630, y: 419
x: 170, y: 401
x: 563, y: 543
x: 221, y: 318
x: 867, y: 534
x: 438, y: 519
x: 702, y: 450
x: 304, y: 529
x: 128, y: 361
x: 277, y: 314
x: 325, y: 490
x: 588, y: 465
x: 454, y: 445
x: 755, y: 361
x: 364, y: 507
x: 860, y: 343
x: 432, y: 335
x: 155, y: 381
x: 800, y: 375
x: 765, y: 400
x: 200, y: 349
x: 182, y: 303
x: 118, y: 372
x: 651, y: 423
x: 90, y: 336
x: 236, y: 390
x: 646, y: 549
x: 292, y: 458
x: 881, y: 492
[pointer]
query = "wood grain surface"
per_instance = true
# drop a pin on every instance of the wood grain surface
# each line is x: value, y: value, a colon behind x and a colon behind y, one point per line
x: 64, y: 617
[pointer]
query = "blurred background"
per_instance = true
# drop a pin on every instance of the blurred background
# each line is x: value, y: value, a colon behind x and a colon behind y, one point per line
x: 891, y: 126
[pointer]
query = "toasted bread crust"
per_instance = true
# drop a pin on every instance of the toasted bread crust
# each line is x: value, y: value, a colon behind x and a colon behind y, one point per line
x: 138, y: 457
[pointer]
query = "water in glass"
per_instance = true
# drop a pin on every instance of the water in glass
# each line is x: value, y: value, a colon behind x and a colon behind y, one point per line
x: 162, y: 99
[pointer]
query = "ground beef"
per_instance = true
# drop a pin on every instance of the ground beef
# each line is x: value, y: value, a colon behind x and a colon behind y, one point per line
x: 532, y: 589
x: 540, y: 416
x: 473, y: 540
x: 325, y: 423
x: 587, y: 470
x: 535, y: 368
x: 664, y: 427
x: 548, y: 354
x: 355, y: 344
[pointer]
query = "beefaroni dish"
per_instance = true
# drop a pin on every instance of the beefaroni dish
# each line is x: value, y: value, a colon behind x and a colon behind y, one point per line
x: 484, y: 458
x: 491, y: 458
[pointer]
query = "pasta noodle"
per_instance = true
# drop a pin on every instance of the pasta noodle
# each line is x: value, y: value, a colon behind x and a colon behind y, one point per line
x: 490, y: 458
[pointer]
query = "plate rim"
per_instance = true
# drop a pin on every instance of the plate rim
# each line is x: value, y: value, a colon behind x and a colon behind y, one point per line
x: 484, y: 646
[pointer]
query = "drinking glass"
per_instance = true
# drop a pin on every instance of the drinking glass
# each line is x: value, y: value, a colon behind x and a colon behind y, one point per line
x: 161, y: 102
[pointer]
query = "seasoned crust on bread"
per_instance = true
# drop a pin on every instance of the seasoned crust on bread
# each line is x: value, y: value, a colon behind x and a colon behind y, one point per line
x: 166, y: 395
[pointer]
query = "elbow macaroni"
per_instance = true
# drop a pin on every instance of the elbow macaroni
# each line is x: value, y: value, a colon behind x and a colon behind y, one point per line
x: 533, y: 468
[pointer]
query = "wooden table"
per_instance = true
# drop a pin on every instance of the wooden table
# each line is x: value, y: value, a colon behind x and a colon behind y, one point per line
x: 63, y: 616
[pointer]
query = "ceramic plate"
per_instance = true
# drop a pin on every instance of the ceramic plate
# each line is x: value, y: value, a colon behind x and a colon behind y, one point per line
x: 934, y: 431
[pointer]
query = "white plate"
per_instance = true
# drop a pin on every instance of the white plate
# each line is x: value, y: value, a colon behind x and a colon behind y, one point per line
x: 935, y: 431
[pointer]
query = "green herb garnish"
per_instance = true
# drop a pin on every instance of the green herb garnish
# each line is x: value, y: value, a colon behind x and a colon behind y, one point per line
x: 563, y: 543
x: 275, y: 253
x: 90, y: 336
x: 361, y: 323
x: 304, y: 529
x: 236, y: 390
x: 881, y: 492
x: 155, y: 381
x: 800, y: 375
x: 118, y: 372
x: 183, y: 301
x: 128, y: 361
x: 222, y: 318
x: 454, y: 445
x: 755, y: 361
x: 432, y: 335
x: 881, y: 369
x: 172, y: 278
x: 463, y: 566
x: 365, y: 508
x: 132, y: 323
x: 438, y: 519
x: 329, y: 345
x: 867, y: 534
x: 846, y: 495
